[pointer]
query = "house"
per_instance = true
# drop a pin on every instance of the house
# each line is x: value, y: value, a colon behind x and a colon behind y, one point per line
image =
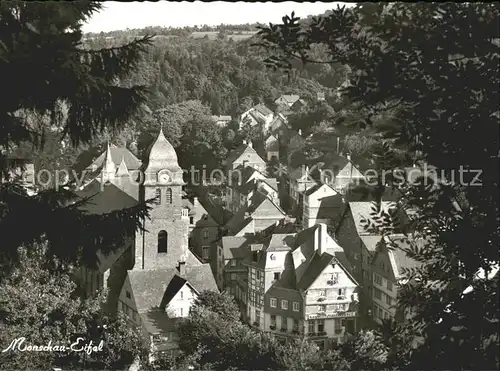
x: 222, y: 121
x: 258, y: 115
x: 245, y: 155
x: 299, y: 181
x: 360, y: 243
x: 341, y: 173
x: 298, y: 105
x: 322, y: 204
x: 260, y: 213
x: 295, y: 144
x: 287, y: 100
x: 155, y: 300
x: 240, y: 186
x: 389, y: 261
x: 271, y: 146
x: 205, y: 223
x: 296, y: 284
x: 279, y: 126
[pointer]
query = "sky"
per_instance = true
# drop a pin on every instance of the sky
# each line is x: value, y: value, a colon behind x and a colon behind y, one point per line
x: 120, y: 16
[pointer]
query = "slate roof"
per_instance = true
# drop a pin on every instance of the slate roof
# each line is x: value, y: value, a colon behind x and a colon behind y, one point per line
x: 235, y: 247
x: 244, y: 151
x: 157, y: 321
x: 316, y: 187
x: 173, y: 288
x: 281, y: 242
x: 401, y: 259
x: 200, y: 277
x: 117, y: 153
x: 263, y: 110
x: 316, y: 267
x: 105, y: 198
x: 272, y: 182
x: 362, y: 210
x: 289, y: 98
x: 149, y: 286
x: 371, y: 242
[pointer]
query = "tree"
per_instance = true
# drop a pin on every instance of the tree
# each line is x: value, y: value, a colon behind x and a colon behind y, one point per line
x: 437, y: 66
x: 47, y: 70
x: 222, y: 304
x: 40, y: 305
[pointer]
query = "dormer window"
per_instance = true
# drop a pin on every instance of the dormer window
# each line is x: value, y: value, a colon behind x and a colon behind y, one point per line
x: 272, y: 257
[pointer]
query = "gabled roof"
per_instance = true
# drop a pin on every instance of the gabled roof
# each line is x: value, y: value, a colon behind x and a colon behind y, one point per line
x: 271, y: 182
x: 263, y: 110
x: 316, y: 267
x: 200, y: 277
x: 316, y: 188
x: 248, y: 153
x: 371, y: 242
x: 281, y: 242
x: 149, y: 286
x: 398, y: 257
x: 117, y: 154
x: 362, y: 210
x: 175, y: 284
x: 235, y: 247
x: 288, y: 98
x: 104, y: 198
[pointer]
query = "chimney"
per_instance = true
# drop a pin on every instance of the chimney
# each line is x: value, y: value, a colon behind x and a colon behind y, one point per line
x: 322, y: 237
x: 300, y: 132
x: 245, y: 163
x: 348, y: 156
x: 182, y: 268
x: 338, y: 145
x: 250, y: 144
x: 244, y: 142
x: 195, y: 202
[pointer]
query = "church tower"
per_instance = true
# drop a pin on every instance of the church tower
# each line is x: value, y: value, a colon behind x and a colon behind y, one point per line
x: 165, y: 242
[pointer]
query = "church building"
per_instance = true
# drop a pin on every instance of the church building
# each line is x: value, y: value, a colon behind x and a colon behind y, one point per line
x: 155, y: 277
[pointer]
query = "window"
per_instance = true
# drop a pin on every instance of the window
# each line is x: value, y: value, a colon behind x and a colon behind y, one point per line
x: 310, y: 326
x: 377, y: 293
x: 157, y: 200
x: 169, y: 196
x: 284, y: 323
x: 258, y: 275
x: 191, y: 220
x: 257, y: 315
x: 276, y: 276
x: 295, y: 306
x: 377, y: 279
x: 162, y: 242
x: 205, y: 253
x: 321, y: 325
x: 205, y: 234
x: 322, y: 308
x: 388, y: 299
x: 337, y: 325
x: 273, y: 302
x: 182, y: 312
x: 272, y: 257
x: 295, y: 325
x: 127, y: 294
x: 389, y: 285
x: 382, y: 265
x: 273, y: 320
x: 341, y: 292
x: 233, y: 276
x: 233, y: 263
x: 284, y: 304
x: 182, y: 295
x: 386, y: 316
x: 185, y: 212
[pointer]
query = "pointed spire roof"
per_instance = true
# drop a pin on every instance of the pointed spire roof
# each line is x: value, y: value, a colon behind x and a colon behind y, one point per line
x: 122, y: 169
x: 162, y: 155
x: 109, y: 167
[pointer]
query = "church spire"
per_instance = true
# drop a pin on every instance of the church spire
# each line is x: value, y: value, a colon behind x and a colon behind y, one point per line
x: 122, y: 169
x: 109, y: 167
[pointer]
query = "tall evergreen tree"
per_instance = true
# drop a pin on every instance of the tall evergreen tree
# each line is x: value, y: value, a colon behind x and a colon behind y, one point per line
x: 437, y: 64
x: 47, y: 73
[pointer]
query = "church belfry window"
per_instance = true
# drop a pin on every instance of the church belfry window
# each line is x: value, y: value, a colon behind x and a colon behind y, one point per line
x: 169, y: 196
x: 158, y: 196
x: 162, y: 242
